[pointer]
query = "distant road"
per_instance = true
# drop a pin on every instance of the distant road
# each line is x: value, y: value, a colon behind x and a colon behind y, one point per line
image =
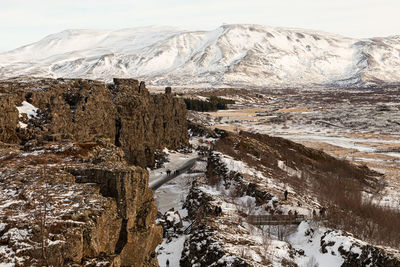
x: 164, y: 179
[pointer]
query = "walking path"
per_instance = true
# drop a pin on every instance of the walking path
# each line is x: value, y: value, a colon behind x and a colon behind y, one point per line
x: 166, y: 178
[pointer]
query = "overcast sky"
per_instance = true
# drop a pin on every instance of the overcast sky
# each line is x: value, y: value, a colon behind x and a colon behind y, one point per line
x: 26, y: 21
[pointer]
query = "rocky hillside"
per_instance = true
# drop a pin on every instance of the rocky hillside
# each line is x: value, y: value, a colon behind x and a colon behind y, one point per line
x: 69, y: 194
x: 322, y: 220
x: 75, y: 204
x: 50, y: 110
x: 231, y: 55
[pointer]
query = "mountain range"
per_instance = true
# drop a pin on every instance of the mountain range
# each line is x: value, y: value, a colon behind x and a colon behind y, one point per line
x: 240, y: 55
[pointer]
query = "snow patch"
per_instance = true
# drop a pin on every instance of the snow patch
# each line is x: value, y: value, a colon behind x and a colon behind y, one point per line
x: 28, y: 109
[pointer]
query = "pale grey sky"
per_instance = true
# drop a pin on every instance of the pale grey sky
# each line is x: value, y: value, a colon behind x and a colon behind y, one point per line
x: 26, y: 21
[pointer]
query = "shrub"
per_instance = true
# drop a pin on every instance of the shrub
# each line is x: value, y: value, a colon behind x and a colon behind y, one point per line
x: 214, y: 103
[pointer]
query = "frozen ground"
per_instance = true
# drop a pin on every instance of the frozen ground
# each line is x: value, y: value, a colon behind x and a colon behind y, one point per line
x: 172, y: 195
x: 170, y: 251
x: 362, y: 133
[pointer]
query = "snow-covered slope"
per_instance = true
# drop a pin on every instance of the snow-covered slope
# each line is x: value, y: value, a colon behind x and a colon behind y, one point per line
x: 231, y: 55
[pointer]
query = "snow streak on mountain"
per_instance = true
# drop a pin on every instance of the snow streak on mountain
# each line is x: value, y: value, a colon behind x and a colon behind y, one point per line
x: 231, y: 55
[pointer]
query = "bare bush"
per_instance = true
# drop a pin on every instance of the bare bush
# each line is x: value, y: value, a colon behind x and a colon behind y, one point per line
x: 249, y: 206
x: 266, y: 244
x: 282, y: 231
x: 312, y: 262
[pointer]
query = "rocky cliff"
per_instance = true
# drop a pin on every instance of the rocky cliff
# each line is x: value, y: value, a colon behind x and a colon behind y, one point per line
x: 69, y: 193
x: 75, y: 204
x: 8, y: 119
x: 124, y: 111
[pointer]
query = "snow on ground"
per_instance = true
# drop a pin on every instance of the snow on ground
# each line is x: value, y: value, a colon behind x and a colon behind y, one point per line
x: 26, y: 188
x: 266, y: 183
x: 311, y: 244
x: 171, y: 251
x: 175, y: 161
x: 196, y: 141
x: 290, y: 171
x: 231, y: 55
x: 276, y: 244
x: 22, y: 125
x: 263, y: 246
x: 368, y: 144
x: 240, y: 166
x: 28, y: 109
x: 172, y: 195
x: 243, y: 239
x: 345, y: 142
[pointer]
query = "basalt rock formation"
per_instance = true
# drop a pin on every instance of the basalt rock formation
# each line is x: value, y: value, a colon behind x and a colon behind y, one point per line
x: 69, y: 193
x: 75, y: 204
x: 124, y: 111
x: 8, y: 119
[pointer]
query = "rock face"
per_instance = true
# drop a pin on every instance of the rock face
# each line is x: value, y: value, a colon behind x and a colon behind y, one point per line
x: 124, y: 111
x: 369, y: 256
x: 133, y: 216
x: 8, y: 119
x: 69, y: 171
x: 78, y: 204
x: 153, y: 121
x: 202, y: 248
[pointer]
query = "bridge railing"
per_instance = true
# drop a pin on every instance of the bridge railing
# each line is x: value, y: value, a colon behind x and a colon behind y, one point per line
x: 275, y: 219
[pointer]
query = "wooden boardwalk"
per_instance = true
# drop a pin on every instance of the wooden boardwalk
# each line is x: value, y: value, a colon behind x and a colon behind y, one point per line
x: 275, y: 219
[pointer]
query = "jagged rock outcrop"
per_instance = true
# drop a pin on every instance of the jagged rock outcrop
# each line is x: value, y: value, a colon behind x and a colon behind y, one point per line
x: 79, y: 200
x: 153, y: 120
x: 369, y: 256
x: 124, y: 111
x: 202, y: 250
x: 8, y: 119
x: 217, y: 171
x: 79, y: 204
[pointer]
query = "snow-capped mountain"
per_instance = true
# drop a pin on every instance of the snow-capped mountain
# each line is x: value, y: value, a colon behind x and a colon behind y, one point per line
x: 231, y: 55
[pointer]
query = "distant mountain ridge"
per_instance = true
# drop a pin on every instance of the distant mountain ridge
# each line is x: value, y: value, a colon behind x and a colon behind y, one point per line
x: 231, y: 55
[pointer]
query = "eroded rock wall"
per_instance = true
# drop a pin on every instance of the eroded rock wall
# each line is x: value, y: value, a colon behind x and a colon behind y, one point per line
x: 154, y: 120
x: 78, y: 204
x: 124, y: 111
x: 8, y: 119
x: 128, y: 230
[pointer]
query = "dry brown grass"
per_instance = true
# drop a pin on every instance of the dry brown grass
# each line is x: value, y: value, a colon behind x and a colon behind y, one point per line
x: 337, y: 184
x: 80, y: 149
